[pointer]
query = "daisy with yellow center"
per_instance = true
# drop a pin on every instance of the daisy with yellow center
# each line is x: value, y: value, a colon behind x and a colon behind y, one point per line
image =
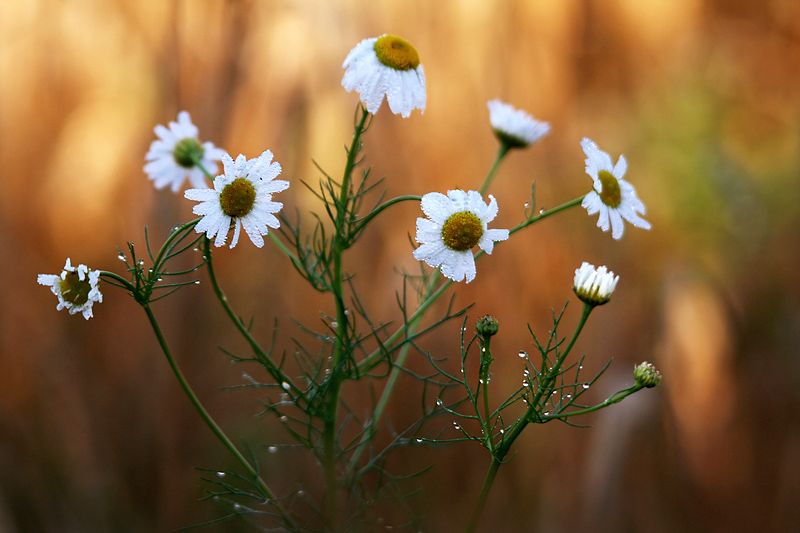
x: 386, y: 65
x: 613, y: 197
x: 456, y: 223
x: 514, y: 127
x: 241, y: 197
x: 76, y: 288
x: 174, y: 155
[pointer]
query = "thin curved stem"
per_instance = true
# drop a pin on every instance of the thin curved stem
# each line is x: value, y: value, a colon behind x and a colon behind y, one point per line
x: 501, y: 153
x: 262, y: 486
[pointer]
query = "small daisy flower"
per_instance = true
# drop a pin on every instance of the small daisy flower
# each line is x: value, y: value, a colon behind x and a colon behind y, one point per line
x: 613, y: 197
x: 76, y: 288
x: 172, y: 156
x: 456, y: 223
x: 594, y: 286
x: 513, y: 127
x: 242, y: 196
x: 386, y: 65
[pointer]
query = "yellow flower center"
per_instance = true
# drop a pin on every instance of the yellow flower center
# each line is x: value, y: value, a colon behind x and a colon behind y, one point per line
x: 462, y: 231
x: 396, y: 53
x: 237, y: 198
x: 187, y: 152
x: 611, y: 195
x: 75, y: 290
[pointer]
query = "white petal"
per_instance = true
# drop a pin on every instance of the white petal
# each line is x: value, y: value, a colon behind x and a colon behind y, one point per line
x: 617, y: 225
x: 620, y: 168
x: 437, y: 207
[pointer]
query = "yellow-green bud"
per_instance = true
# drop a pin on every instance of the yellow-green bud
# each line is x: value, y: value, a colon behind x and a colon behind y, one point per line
x: 646, y: 374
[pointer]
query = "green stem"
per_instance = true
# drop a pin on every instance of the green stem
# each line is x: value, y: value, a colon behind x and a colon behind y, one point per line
x: 375, y: 212
x: 341, y: 343
x: 484, y: 381
x: 484, y: 494
x: 501, y: 153
x: 533, y: 409
x: 167, y: 244
x: 614, y: 398
x: 262, y: 486
x: 545, y: 214
x: 264, y: 357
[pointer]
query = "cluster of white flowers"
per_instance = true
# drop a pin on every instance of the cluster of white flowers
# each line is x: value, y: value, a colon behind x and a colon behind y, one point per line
x: 385, y: 66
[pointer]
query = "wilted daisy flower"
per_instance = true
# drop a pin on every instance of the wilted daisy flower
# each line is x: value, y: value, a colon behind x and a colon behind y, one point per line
x: 76, y: 288
x: 242, y: 195
x: 386, y: 65
x: 513, y: 127
x: 594, y: 286
x: 172, y: 156
x: 455, y: 224
x: 612, y: 197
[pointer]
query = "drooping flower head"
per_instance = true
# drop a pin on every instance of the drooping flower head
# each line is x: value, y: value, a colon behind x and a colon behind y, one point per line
x: 76, y: 288
x: 456, y: 223
x: 613, y: 197
x: 594, y: 286
x: 172, y: 157
x: 386, y: 65
x: 242, y: 196
x: 514, y: 127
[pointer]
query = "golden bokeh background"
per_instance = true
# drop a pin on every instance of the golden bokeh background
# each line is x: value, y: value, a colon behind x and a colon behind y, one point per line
x: 702, y: 97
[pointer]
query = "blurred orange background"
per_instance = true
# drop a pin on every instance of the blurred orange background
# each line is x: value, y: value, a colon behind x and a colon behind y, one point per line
x: 702, y: 97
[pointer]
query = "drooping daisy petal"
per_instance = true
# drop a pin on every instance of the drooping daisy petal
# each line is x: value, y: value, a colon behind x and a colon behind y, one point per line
x: 170, y: 159
x: 386, y: 66
x: 513, y: 127
x: 456, y: 223
x: 242, y: 197
x: 613, y: 197
x: 76, y: 288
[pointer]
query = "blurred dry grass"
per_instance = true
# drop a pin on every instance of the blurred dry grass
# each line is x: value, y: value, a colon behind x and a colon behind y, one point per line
x: 703, y: 97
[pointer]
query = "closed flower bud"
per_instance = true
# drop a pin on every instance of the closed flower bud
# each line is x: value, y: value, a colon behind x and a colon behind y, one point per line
x: 646, y: 374
x: 487, y: 326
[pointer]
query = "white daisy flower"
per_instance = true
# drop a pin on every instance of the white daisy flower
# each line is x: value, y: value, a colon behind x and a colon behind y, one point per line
x: 76, y: 288
x: 456, y: 223
x: 242, y: 195
x: 172, y: 156
x: 613, y: 197
x: 594, y: 286
x: 514, y: 127
x: 386, y: 65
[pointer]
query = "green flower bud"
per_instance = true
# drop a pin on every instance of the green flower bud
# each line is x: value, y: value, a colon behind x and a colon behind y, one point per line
x: 486, y: 326
x: 646, y: 374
